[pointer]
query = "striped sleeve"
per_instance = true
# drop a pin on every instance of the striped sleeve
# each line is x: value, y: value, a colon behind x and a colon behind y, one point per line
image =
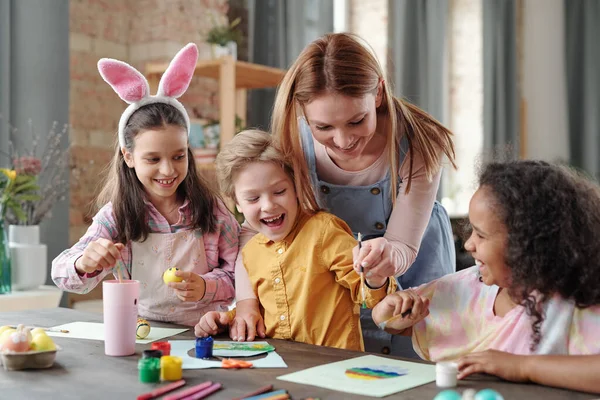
x: 63, y: 272
x: 225, y: 240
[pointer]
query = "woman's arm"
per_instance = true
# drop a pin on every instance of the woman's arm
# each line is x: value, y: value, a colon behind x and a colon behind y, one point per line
x: 410, y: 216
x: 568, y: 372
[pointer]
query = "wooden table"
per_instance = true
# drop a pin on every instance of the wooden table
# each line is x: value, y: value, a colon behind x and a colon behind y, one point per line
x: 82, y: 371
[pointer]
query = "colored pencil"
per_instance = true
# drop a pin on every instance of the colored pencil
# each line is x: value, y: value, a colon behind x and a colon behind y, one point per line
x: 204, y: 393
x: 258, y: 391
x: 265, y: 395
x: 162, y: 390
x: 188, y: 391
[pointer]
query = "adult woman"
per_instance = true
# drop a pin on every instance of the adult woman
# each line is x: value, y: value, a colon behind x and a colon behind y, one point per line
x: 370, y: 158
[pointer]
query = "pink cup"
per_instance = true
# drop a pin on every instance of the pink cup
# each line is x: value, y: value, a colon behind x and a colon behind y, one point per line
x: 120, y: 316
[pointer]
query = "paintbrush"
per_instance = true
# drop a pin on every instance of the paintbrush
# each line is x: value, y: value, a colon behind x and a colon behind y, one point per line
x: 45, y: 329
x: 395, y: 317
x: 362, y: 275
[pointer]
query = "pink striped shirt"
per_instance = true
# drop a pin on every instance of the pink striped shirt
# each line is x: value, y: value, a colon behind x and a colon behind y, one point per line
x: 221, y: 249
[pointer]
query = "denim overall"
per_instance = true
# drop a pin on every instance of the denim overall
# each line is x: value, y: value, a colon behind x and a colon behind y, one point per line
x: 367, y: 209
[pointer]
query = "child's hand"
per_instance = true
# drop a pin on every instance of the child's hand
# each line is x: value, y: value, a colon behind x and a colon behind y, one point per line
x: 98, y: 255
x: 192, y: 288
x: 211, y: 323
x: 392, y: 308
x: 376, y: 258
x: 510, y: 367
x: 248, y: 323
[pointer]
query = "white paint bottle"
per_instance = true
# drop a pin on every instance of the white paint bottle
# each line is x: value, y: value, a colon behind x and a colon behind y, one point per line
x: 446, y: 374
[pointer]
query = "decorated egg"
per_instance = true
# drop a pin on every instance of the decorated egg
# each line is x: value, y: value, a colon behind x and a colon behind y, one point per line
x: 448, y: 395
x: 169, y: 275
x: 143, y: 328
x: 488, y: 394
x: 17, y: 341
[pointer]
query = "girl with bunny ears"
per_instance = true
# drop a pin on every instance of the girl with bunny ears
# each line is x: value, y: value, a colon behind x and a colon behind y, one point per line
x: 155, y: 211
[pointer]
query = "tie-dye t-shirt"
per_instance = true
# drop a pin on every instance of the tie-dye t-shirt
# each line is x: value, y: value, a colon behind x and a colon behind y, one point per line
x: 462, y: 321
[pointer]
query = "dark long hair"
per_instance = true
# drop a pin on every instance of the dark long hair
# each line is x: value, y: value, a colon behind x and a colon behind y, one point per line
x: 127, y: 194
x: 552, y: 216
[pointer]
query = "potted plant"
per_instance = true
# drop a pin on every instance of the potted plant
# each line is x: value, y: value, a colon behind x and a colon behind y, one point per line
x: 224, y: 39
x: 15, y: 189
x: 40, y: 182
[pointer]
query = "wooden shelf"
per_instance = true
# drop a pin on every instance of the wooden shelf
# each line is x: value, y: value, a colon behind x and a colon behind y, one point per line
x: 248, y: 75
x: 235, y: 78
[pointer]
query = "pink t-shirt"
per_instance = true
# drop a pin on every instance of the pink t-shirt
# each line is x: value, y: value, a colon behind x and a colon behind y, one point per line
x: 462, y: 321
x: 407, y: 222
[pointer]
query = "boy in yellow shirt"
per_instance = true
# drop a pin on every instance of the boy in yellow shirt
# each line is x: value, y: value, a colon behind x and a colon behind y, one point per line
x: 300, y: 264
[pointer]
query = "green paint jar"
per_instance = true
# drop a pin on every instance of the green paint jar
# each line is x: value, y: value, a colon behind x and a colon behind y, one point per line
x: 149, y: 370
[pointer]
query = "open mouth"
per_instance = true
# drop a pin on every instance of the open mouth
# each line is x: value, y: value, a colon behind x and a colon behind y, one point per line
x: 349, y: 148
x: 165, y: 182
x: 274, y: 222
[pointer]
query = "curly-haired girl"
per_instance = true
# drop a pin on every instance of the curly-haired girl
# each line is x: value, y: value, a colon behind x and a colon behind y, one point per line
x: 530, y: 309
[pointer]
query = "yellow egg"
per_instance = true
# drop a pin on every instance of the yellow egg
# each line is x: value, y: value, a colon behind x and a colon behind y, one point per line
x: 38, y: 331
x: 169, y: 275
x: 5, y: 328
x: 42, y: 342
x: 143, y: 328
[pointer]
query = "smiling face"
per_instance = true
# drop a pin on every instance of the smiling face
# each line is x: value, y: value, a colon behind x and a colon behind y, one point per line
x: 487, y: 243
x: 160, y: 160
x: 345, y: 125
x: 266, y: 196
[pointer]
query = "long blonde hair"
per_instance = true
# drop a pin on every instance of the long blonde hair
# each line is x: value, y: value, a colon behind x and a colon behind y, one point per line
x: 341, y: 63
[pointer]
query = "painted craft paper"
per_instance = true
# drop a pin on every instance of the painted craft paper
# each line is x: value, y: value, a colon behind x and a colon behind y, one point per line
x: 368, y: 376
x: 95, y: 331
x: 183, y: 349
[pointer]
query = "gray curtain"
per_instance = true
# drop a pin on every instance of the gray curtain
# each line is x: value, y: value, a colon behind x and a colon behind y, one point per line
x: 418, y: 48
x: 582, y: 28
x: 500, y: 80
x: 280, y: 29
x: 34, y: 85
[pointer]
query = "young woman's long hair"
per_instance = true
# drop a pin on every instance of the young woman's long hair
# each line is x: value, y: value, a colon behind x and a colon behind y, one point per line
x: 340, y: 63
x: 127, y: 194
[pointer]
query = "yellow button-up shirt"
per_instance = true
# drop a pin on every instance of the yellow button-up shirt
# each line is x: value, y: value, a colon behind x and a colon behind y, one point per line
x: 306, y: 286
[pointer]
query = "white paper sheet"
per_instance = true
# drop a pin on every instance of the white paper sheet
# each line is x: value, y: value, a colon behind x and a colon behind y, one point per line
x: 95, y: 331
x: 334, y: 376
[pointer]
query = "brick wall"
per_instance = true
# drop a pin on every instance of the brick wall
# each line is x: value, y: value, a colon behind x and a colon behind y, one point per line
x: 135, y: 31
x: 363, y: 16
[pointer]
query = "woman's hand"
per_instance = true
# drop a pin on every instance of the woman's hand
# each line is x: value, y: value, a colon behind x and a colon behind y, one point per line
x: 248, y: 323
x: 510, y: 367
x: 98, y: 255
x: 192, y: 288
x: 375, y: 256
x: 401, y: 310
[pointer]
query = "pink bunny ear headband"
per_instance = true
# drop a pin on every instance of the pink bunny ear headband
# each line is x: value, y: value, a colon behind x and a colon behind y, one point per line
x: 132, y: 87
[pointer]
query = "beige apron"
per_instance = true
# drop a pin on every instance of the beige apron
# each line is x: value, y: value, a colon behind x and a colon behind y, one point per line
x: 160, y: 251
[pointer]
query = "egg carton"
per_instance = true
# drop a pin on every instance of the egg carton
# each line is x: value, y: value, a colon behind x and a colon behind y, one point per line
x: 13, y: 361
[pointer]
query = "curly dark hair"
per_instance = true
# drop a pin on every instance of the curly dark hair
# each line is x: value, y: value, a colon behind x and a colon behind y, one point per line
x: 552, y: 216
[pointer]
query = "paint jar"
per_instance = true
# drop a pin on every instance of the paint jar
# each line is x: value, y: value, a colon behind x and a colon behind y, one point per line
x: 170, y: 368
x: 149, y: 370
x: 204, y: 347
x: 152, y: 354
x: 165, y: 347
x: 446, y: 374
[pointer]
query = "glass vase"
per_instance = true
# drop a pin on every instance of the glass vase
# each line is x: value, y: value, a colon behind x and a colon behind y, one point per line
x: 5, y: 273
